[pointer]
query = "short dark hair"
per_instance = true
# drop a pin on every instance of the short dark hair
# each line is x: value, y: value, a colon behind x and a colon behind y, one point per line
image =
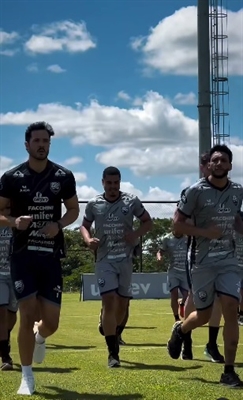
x: 111, y: 171
x: 37, y: 126
x: 205, y: 158
x: 223, y: 149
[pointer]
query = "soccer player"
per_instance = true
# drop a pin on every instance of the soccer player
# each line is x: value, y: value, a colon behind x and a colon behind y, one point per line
x: 113, y: 213
x: 211, y: 348
x: 8, y: 302
x: 36, y: 190
x: 239, y: 251
x: 175, y: 247
x: 214, y: 204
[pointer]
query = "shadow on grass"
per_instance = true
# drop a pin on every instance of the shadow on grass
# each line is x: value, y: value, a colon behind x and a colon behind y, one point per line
x: 52, y: 370
x: 141, y: 327
x: 64, y: 394
x: 155, y: 367
x: 145, y: 345
x: 63, y: 347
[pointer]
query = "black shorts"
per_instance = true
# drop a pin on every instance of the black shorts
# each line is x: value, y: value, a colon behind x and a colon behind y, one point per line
x: 37, y: 274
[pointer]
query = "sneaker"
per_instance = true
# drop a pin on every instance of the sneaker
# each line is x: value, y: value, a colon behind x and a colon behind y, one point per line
x: 213, y: 354
x: 40, y: 348
x: 240, y: 320
x: 113, y: 361
x: 231, y: 379
x: 7, y: 364
x: 27, y: 386
x: 175, y: 343
x: 186, y: 353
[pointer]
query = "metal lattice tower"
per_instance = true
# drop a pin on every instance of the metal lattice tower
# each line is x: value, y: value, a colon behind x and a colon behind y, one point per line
x: 219, y: 71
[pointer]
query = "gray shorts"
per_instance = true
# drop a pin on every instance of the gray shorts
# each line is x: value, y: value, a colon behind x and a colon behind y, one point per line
x: 177, y: 280
x: 7, y: 296
x: 208, y: 282
x: 116, y: 276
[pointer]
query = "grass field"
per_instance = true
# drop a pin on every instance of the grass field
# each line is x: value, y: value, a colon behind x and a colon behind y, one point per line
x: 75, y: 367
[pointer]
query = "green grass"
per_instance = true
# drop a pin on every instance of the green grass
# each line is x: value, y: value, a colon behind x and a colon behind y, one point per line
x: 76, y: 362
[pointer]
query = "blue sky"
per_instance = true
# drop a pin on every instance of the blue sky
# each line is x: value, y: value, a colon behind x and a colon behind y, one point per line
x: 117, y: 80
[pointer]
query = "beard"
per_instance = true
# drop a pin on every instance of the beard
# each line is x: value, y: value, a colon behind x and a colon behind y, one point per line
x: 37, y: 155
x: 222, y: 175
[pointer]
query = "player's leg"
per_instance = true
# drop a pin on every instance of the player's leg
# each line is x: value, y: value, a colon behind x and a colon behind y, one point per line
x: 100, y: 328
x: 4, y: 300
x: 23, y: 274
x: 107, y: 279
x: 228, y: 287
x: 173, y: 285
x: 203, y: 297
x: 187, y: 353
x: 123, y: 325
x: 211, y: 351
x: 12, y: 319
x: 184, y: 289
x: 240, y: 320
x: 50, y: 299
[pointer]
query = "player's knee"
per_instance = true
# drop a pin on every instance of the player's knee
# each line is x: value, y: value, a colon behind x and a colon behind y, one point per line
x: 109, y: 302
x: 229, y: 308
x: 51, y: 324
x: 203, y: 316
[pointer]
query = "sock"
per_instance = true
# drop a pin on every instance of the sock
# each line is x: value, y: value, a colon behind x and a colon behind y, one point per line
x: 241, y: 312
x: 27, y: 370
x: 39, y: 339
x: 119, y: 330
x: 213, y: 332
x: 4, y: 348
x: 112, y: 345
x: 228, y: 369
x: 177, y: 318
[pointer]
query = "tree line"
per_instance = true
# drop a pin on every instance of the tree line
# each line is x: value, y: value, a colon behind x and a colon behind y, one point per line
x: 79, y: 259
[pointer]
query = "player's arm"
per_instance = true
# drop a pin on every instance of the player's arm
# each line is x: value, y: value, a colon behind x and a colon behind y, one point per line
x: 238, y: 224
x: 88, y: 219
x: 5, y: 195
x: 70, y: 200
x: 146, y: 223
x: 162, y: 249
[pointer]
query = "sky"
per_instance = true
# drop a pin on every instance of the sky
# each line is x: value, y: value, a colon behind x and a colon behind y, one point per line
x: 117, y: 80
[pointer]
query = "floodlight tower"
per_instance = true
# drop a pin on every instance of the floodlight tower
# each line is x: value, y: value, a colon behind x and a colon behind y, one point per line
x: 219, y: 71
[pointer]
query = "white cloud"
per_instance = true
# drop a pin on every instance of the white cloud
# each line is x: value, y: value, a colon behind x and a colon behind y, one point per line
x: 171, y: 46
x: 185, y: 183
x: 123, y: 96
x: 8, y: 39
x: 6, y: 163
x: 154, y: 140
x: 60, y: 36
x: 185, y: 99
x: 73, y: 160
x: 32, y: 67
x: 56, y: 69
x: 80, y: 176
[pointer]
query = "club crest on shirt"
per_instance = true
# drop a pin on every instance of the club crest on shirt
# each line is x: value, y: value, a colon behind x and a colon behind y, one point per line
x: 55, y: 187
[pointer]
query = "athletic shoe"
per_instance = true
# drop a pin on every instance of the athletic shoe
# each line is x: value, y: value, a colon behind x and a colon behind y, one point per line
x: 212, y: 352
x: 40, y: 348
x: 231, y: 379
x: 240, y: 320
x: 113, y: 361
x: 175, y: 343
x: 186, y: 353
x: 27, y: 386
x: 7, y: 364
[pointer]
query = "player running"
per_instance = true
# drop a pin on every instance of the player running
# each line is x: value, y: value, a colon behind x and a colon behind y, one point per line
x: 113, y: 214
x: 211, y: 349
x: 36, y: 190
x: 214, y: 204
x: 8, y: 302
x: 175, y: 247
x: 239, y: 251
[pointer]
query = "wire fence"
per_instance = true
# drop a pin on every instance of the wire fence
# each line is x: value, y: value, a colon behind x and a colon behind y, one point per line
x: 162, y: 213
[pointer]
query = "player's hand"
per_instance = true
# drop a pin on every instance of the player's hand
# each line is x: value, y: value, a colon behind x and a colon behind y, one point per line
x: 50, y: 230
x: 158, y: 256
x: 22, y: 223
x: 213, y: 232
x: 93, y: 244
x: 131, y: 237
